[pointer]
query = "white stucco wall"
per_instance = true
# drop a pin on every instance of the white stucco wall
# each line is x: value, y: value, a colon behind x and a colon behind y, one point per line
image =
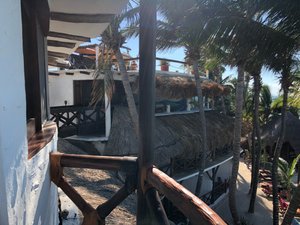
x: 41, y: 193
x: 18, y: 196
x: 61, y: 87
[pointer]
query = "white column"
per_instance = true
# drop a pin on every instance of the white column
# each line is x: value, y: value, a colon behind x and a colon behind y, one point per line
x: 204, y: 102
x: 97, y: 55
x: 107, y: 116
x: 168, y: 108
x: 189, y: 106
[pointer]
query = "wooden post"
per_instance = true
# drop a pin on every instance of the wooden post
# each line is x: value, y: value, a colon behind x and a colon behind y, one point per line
x: 146, y: 100
x: 158, y: 212
x: 105, y: 209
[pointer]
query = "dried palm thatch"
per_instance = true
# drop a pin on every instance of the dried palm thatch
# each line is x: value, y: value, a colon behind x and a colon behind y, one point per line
x: 175, y: 135
x: 271, y: 131
x: 178, y: 87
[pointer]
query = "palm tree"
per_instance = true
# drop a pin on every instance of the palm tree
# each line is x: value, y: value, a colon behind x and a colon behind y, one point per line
x: 236, y: 22
x: 113, y: 39
x: 256, y: 143
x: 174, y: 32
x: 285, y: 18
x: 236, y: 143
x: 214, y: 65
x: 285, y: 84
x: 230, y: 35
x: 293, y: 206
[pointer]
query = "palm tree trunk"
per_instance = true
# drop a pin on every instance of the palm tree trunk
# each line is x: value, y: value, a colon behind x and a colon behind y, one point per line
x: 253, y: 155
x: 219, y: 78
x: 236, y: 144
x: 203, y: 151
x: 292, y: 209
x: 128, y: 91
x: 246, y: 87
x: 223, y: 105
x: 256, y: 127
x: 285, y: 87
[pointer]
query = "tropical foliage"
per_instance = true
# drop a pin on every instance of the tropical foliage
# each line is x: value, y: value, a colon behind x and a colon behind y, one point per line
x: 286, y: 172
x: 113, y: 39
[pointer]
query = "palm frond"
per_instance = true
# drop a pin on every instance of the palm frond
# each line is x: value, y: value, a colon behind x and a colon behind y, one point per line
x: 103, y: 73
x: 293, y: 166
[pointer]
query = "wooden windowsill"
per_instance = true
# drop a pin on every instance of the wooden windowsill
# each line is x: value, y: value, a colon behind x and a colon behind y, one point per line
x: 39, y: 140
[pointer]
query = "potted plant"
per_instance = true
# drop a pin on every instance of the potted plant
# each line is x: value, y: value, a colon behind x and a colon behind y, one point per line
x: 164, y: 65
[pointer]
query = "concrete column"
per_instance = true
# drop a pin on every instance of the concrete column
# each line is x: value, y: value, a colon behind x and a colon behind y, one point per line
x: 107, y: 116
x: 168, y: 108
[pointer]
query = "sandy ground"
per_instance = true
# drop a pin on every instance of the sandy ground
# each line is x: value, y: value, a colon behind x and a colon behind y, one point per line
x: 95, y: 186
x: 263, y: 207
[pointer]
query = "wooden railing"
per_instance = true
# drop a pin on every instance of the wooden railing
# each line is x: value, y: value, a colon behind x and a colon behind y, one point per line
x: 190, y: 205
x: 78, y: 119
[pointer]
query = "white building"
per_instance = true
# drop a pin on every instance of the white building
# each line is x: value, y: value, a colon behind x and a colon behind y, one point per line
x: 27, y: 195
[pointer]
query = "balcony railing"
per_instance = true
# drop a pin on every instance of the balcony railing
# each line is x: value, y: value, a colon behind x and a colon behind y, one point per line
x: 190, y: 205
x: 78, y: 120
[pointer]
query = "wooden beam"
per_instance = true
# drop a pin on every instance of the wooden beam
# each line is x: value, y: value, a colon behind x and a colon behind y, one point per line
x: 105, y: 209
x: 59, y: 65
x: 126, y: 164
x: 190, y: 205
x: 69, y: 36
x: 53, y: 74
x: 61, y: 44
x: 58, y: 54
x: 84, y: 207
x: 81, y: 18
x: 84, y: 72
x: 52, y: 59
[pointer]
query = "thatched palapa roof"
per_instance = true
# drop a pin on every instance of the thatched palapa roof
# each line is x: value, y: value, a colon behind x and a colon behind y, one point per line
x: 177, y: 87
x: 271, y: 131
x: 175, y: 135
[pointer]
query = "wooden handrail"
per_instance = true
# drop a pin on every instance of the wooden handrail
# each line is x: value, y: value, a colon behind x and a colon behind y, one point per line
x: 190, y: 205
x: 125, y: 164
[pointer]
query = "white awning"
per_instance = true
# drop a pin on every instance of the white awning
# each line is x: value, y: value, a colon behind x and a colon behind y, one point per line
x: 73, y: 22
